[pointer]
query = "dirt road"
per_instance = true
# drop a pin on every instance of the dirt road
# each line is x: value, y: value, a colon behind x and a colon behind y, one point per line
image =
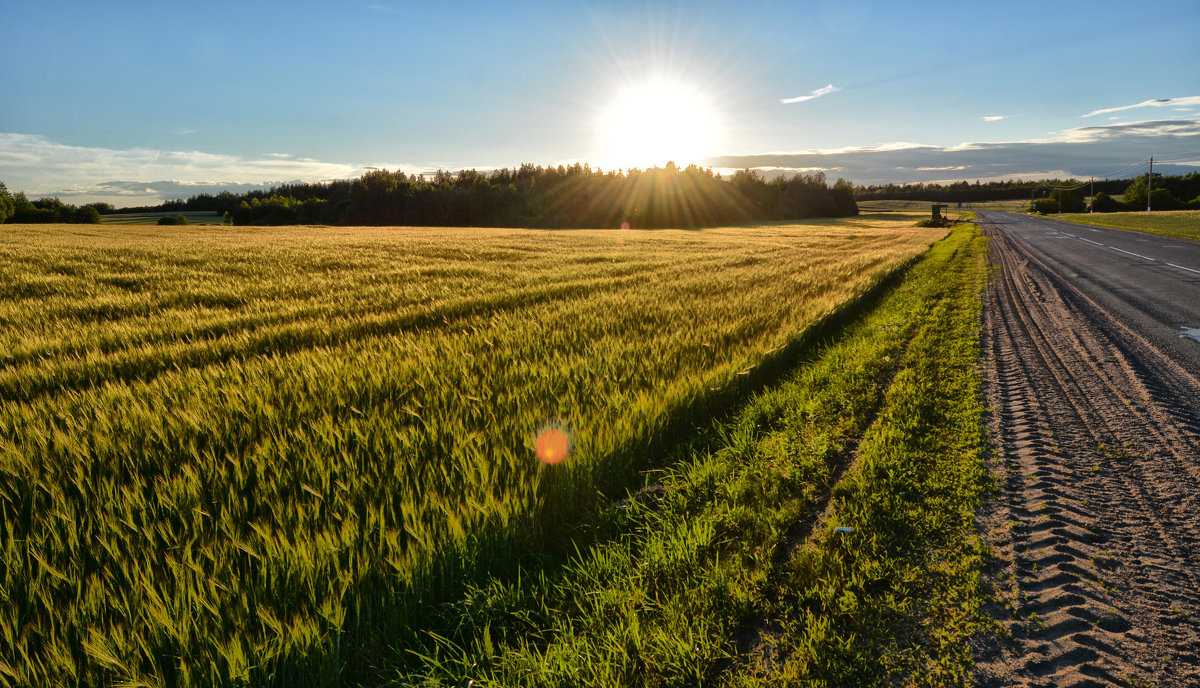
x: 1096, y: 434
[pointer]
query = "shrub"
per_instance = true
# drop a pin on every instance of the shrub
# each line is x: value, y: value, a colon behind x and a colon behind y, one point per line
x: 1072, y: 201
x: 1045, y: 206
x: 173, y: 220
x: 87, y: 215
x: 1103, y: 203
x: 1161, y: 199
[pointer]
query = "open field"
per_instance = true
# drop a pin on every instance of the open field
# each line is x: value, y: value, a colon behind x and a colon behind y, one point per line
x: 259, y: 455
x: 924, y: 206
x: 195, y: 217
x: 1177, y: 223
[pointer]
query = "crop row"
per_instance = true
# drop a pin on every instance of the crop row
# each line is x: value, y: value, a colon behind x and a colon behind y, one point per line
x: 280, y: 502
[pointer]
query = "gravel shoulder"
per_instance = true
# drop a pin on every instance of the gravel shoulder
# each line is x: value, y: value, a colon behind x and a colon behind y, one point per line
x: 1096, y: 526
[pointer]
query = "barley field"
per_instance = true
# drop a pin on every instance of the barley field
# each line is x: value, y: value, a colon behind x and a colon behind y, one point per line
x: 257, y: 456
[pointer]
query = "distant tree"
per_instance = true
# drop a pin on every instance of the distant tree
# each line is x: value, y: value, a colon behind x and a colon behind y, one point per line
x: 1103, y: 203
x: 87, y: 215
x: 1045, y: 206
x: 843, y: 196
x: 7, y: 205
x: 1162, y: 199
x: 1071, y: 201
x: 30, y: 212
x: 1135, y: 194
x: 173, y: 220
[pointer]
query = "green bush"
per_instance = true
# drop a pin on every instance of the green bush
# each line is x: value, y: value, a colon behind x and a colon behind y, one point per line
x: 87, y: 215
x: 1045, y: 206
x: 1161, y: 199
x: 173, y: 220
x: 1072, y: 201
x: 1103, y: 203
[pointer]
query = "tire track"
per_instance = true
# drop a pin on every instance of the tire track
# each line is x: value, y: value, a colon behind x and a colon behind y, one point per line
x: 1097, y: 527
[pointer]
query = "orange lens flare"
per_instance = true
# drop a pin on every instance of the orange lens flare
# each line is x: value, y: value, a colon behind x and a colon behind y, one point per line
x: 552, y: 446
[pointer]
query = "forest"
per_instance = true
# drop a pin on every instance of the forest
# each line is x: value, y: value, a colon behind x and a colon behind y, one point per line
x: 577, y: 196
x: 574, y: 196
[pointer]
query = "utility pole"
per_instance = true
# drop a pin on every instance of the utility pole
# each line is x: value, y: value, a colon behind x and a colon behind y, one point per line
x: 1149, y: 183
x: 1092, y: 192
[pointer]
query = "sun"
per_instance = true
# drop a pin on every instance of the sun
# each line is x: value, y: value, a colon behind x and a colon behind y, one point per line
x: 650, y: 123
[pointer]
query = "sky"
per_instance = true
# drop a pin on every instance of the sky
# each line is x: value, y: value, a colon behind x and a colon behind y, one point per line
x: 135, y: 102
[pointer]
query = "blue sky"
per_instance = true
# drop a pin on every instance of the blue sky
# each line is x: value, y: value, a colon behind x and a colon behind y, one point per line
x: 133, y: 101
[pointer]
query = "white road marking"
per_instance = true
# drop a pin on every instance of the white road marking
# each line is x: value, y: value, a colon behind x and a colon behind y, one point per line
x: 1183, y: 268
x: 1192, y: 332
x: 1134, y: 254
x: 1091, y: 242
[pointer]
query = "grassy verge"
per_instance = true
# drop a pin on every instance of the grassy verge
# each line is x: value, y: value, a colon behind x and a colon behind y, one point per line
x: 1184, y: 224
x: 824, y: 536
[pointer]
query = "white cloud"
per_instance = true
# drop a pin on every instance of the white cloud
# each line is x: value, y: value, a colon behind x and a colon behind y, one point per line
x: 993, y: 118
x: 1157, y: 102
x: 815, y: 94
x: 39, y: 166
x: 1100, y: 151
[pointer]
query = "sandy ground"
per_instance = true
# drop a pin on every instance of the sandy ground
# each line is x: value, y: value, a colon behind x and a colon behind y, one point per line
x: 1096, y: 527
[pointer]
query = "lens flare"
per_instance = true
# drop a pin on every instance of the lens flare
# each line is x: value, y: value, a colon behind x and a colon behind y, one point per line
x: 552, y: 444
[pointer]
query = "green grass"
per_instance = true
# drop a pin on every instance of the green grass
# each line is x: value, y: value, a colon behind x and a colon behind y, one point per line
x: 728, y: 568
x: 280, y: 456
x: 1184, y: 224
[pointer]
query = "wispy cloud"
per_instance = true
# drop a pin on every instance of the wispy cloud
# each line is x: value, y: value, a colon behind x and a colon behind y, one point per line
x: 993, y: 118
x: 1157, y: 102
x: 824, y: 91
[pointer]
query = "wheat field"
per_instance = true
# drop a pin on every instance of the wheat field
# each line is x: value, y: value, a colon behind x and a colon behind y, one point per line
x: 256, y: 456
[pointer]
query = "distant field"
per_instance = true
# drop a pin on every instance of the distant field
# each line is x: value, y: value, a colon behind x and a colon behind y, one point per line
x: 198, y: 217
x: 924, y: 207
x: 235, y: 455
x: 1177, y: 223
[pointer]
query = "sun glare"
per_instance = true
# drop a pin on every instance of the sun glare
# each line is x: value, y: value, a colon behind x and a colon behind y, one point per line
x: 657, y: 121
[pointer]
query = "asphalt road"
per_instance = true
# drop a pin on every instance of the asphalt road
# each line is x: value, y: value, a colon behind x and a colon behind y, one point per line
x: 1149, y: 283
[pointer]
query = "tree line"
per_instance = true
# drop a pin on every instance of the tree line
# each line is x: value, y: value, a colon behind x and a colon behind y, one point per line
x: 1167, y: 192
x: 18, y: 208
x: 574, y: 196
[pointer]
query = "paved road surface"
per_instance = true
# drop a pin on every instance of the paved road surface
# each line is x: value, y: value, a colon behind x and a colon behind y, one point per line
x: 1095, y: 398
x: 1150, y: 283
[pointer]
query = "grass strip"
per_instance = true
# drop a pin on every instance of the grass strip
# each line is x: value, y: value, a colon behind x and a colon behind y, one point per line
x: 1183, y: 224
x: 729, y: 568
